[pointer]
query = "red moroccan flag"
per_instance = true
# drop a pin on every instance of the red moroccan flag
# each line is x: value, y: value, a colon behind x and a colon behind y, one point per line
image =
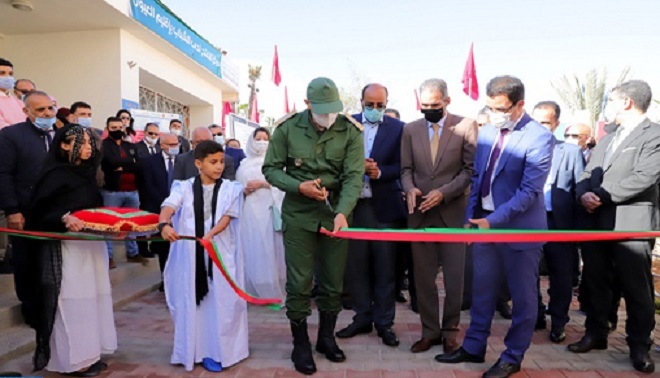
x: 255, y: 110
x: 286, y: 100
x: 419, y: 107
x: 226, y: 109
x: 470, y: 84
x: 277, y: 78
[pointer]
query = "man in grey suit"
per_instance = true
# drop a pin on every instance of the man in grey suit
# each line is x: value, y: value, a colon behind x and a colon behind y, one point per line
x: 184, y: 167
x: 562, y: 211
x: 619, y: 189
x: 437, y: 155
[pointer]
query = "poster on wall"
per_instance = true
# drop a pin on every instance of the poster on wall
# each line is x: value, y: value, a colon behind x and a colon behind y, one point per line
x: 240, y: 128
x: 142, y: 117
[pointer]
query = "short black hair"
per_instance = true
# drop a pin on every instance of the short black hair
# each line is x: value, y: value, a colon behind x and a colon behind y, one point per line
x: 122, y: 111
x: 175, y: 120
x: 370, y: 84
x: 206, y: 148
x: 5, y: 62
x: 151, y: 124
x: 396, y: 112
x: 549, y: 104
x: 214, y: 126
x: 111, y: 119
x: 232, y: 140
x: 79, y: 104
x: 638, y: 91
x: 510, y: 86
x: 261, y: 130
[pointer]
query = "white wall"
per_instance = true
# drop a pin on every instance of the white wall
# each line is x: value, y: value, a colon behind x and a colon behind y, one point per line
x: 71, y: 66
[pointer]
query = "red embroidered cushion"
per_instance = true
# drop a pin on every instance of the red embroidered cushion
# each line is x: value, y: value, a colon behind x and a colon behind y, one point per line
x: 118, y: 220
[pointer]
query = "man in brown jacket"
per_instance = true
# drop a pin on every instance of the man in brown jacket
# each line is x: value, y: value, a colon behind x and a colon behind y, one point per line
x: 437, y: 154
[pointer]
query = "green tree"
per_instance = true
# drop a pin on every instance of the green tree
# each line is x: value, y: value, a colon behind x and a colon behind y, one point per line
x: 587, y: 93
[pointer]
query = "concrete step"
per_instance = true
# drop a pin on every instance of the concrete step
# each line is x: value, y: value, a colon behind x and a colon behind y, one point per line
x: 6, y: 283
x: 138, y: 280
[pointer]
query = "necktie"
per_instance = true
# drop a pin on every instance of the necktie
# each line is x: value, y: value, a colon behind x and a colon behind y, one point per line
x: 170, y: 170
x: 612, y: 147
x: 434, y: 142
x: 152, y: 150
x: 49, y: 140
x: 485, y: 183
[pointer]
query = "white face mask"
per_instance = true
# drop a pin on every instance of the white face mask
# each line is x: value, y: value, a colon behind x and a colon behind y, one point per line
x: 261, y: 146
x: 173, y: 151
x: 176, y: 132
x: 500, y: 120
x: 151, y: 140
x: 325, y: 120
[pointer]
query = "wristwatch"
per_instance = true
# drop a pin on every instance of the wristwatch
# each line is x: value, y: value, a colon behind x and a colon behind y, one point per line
x: 162, y: 225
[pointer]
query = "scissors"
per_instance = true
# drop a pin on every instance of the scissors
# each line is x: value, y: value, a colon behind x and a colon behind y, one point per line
x: 325, y: 195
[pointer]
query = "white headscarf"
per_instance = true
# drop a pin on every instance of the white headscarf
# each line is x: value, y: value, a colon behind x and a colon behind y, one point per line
x: 250, y: 168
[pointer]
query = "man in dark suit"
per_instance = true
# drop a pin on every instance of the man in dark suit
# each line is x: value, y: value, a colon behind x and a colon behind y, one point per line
x: 184, y: 168
x: 157, y: 176
x: 562, y: 211
x: 149, y: 145
x: 511, y: 166
x: 619, y: 189
x: 176, y: 128
x: 437, y: 154
x: 370, y: 269
x: 23, y: 149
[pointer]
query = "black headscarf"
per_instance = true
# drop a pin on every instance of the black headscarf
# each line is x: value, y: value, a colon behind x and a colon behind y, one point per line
x: 63, y: 186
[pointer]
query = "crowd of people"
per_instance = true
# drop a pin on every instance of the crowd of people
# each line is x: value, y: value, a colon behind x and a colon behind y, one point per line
x: 265, y: 205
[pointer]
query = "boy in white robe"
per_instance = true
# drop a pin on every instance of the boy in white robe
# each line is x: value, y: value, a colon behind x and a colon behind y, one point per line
x: 210, y: 320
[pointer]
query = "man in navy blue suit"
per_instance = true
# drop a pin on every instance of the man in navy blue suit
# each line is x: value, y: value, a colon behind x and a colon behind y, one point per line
x: 562, y: 210
x: 512, y: 163
x: 370, y: 268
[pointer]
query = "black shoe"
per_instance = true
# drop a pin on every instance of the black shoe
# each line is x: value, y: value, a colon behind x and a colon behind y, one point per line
x: 325, y: 342
x: 465, y: 306
x: 587, y: 344
x: 641, y: 360
x: 148, y: 255
x: 302, y: 350
x: 502, y: 369
x: 92, y: 371
x: 557, y: 335
x: 413, y: 307
x: 98, y: 365
x: 541, y: 323
x: 400, y: 297
x: 504, y: 309
x: 388, y: 336
x: 458, y: 356
x: 354, y: 329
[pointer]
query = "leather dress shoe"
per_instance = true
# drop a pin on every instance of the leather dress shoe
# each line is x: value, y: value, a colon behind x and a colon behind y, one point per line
x: 449, y: 344
x: 388, y: 336
x: 641, y: 360
x: 458, y: 356
x: 400, y: 297
x: 504, y: 309
x: 92, y: 371
x: 587, y: 344
x: 557, y: 335
x: 541, y: 323
x: 423, y: 344
x: 354, y: 329
x: 502, y: 369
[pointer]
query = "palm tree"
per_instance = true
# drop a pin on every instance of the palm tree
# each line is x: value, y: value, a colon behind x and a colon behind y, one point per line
x: 254, y: 73
x: 588, y: 94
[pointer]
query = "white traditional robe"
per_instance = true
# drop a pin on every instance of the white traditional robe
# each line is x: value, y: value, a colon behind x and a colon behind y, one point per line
x: 263, y: 248
x: 218, y: 327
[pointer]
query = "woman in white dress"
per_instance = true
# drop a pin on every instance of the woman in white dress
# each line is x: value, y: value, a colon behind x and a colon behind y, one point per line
x: 72, y: 307
x: 263, y: 248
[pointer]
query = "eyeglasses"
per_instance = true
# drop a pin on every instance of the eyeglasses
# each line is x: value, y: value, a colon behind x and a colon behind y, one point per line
x: 152, y: 134
x: 500, y: 110
x: 215, y: 135
x: 573, y: 136
x: 371, y: 105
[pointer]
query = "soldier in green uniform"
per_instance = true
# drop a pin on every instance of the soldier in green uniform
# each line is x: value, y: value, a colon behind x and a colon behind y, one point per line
x: 317, y: 158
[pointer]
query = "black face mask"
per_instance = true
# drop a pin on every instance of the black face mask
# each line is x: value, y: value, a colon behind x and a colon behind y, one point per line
x: 433, y: 115
x: 116, y: 134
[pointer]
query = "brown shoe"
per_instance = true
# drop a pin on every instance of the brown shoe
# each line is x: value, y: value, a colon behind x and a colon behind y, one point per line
x: 450, y: 344
x: 423, y: 344
x: 137, y: 259
x: 111, y: 264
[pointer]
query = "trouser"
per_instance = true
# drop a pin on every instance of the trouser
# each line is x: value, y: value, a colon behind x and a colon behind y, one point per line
x: 122, y: 199
x: 427, y: 257
x: 370, y: 271
x: 560, y: 259
x: 503, y: 296
x: 629, y: 263
x: 494, y: 263
x: 303, y: 250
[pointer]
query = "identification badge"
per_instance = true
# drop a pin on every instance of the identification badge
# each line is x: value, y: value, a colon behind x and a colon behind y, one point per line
x: 298, y: 162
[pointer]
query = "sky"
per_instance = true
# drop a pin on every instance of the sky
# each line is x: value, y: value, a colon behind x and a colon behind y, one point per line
x: 402, y: 43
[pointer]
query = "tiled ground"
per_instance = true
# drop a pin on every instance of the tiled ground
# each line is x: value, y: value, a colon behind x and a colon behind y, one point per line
x: 145, y: 343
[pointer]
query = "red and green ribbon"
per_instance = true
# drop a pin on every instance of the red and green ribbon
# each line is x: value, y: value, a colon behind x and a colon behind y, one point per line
x: 209, y: 246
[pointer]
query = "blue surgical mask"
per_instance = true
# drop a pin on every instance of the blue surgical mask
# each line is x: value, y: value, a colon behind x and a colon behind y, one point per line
x: 44, y: 123
x: 7, y: 82
x: 219, y: 139
x: 172, y: 151
x: 85, y: 122
x: 373, y: 115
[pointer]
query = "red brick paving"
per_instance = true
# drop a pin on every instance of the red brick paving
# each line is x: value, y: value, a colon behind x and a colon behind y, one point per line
x: 145, y: 342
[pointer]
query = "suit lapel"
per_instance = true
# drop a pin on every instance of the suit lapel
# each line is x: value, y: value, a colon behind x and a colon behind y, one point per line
x: 445, y: 135
x: 557, y: 157
x: 380, y: 135
x: 424, y: 142
x: 516, y: 136
x: 631, y: 138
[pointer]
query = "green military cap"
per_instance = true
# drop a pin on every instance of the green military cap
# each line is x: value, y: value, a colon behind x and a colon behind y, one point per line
x: 323, y: 95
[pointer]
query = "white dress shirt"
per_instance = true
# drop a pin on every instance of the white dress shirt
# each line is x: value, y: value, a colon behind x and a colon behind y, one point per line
x: 167, y: 157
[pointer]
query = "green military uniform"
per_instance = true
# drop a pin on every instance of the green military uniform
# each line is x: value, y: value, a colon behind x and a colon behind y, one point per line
x: 299, y: 152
